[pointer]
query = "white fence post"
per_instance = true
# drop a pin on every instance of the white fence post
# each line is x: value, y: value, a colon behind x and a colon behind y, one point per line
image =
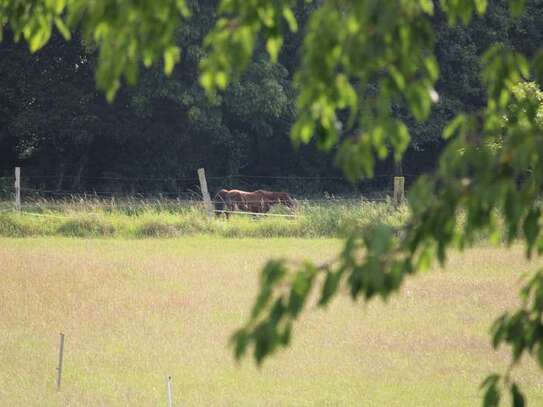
x: 60, y: 360
x: 399, y: 192
x: 18, y: 188
x: 170, y: 397
x: 205, y: 193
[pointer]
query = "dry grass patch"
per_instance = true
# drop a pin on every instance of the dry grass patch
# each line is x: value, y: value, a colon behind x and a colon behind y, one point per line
x: 136, y: 311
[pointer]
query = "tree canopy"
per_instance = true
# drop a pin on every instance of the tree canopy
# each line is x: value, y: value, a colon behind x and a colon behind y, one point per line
x: 368, y: 72
x: 162, y: 115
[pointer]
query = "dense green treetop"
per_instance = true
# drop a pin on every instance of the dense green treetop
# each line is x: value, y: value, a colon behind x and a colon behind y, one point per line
x: 171, y: 117
x: 366, y: 68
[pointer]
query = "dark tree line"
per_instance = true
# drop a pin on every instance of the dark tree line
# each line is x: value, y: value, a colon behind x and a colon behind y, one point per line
x: 53, y: 121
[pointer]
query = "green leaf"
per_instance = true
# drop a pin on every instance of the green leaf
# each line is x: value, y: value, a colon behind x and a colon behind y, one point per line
x: 183, y: 9
x: 378, y: 239
x: 397, y: 76
x: 498, y: 330
x: 273, y: 271
x: 531, y: 228
x: 273, y: 46
x: 540, y: 355
x: 427, y: 6
x: 277, y: 312
x: 330, y: 286
x: 62, y: 28
x: 492, y: 396
x: 111, y: 90
x: 240, y: 339
x: 266, y: 14
x: 148, y: 57
x: 537, y: 62
x: 490, y: 380
x: 523, y: 66
x: 172, y: 55
x: 480, y: 6
x: 266, y: 340
x: 221, y: 79
x: 419, y: 102
x: 206, y: 80
x: 287, y: 334
x: 131, y: 72
x: 432, y: 67
x: 517, y: 7
x: 298, y: 293
x: 39, y: 37
x: 425, y: 258
x: 59, y: 6
x: 517, y: 396
x: 303, y: 130
x: 291, y: 19
x: 399, y: 138
x: 262, y: 301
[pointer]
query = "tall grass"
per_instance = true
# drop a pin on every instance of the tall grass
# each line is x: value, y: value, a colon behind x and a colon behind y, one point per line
x: 161, y: 218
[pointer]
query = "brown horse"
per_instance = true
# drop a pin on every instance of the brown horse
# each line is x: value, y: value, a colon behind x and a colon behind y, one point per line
x: 259, y: 201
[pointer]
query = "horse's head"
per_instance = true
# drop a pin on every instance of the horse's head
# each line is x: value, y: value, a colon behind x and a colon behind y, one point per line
x: 220, y: 200
x: 287, y: 200
x: 293, y: 203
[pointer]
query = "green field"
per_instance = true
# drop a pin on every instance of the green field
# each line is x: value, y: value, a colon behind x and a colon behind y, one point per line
x: 135, y: 311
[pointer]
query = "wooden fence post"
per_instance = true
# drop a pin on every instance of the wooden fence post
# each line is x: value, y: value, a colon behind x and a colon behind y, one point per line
x: 205, y: 193
x: 399, y: 192
x: 170, y: 396
x: 18, y: 188
x: 60, y: 360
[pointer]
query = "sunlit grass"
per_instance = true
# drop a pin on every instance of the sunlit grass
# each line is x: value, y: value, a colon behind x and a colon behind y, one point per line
x: 143, y: 219
x: 135, y: 311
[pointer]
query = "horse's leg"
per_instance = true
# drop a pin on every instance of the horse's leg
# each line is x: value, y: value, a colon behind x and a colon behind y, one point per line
x: 220, y: 206
x: 227, y: 209
x: 255, y: 208
x: 230, y: 207
x: 245, y: 206
x: 266, y: 206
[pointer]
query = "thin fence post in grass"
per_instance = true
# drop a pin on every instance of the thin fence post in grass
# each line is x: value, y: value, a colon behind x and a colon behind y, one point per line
x: 399, y: 192
x: 169, y: 385
x: 205, y: 193
x: 18, y: 188
x: 60, y: 360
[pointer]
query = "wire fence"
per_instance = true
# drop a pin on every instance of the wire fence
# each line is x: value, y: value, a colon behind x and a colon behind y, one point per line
x: 42, y: 190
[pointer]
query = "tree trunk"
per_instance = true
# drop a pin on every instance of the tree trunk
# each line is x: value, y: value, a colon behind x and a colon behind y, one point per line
x: 76, y: 184
x: 60, y: 181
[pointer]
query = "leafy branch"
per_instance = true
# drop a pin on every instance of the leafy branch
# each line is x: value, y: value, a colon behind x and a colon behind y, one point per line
x: 474, y: 181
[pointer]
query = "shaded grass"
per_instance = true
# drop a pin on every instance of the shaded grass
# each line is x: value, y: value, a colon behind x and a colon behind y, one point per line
x: 166, y: 219
x: 136, y: 311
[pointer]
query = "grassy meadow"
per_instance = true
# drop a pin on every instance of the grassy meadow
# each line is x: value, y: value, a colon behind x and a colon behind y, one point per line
x: 161, y: 218
x: 135, y: 311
